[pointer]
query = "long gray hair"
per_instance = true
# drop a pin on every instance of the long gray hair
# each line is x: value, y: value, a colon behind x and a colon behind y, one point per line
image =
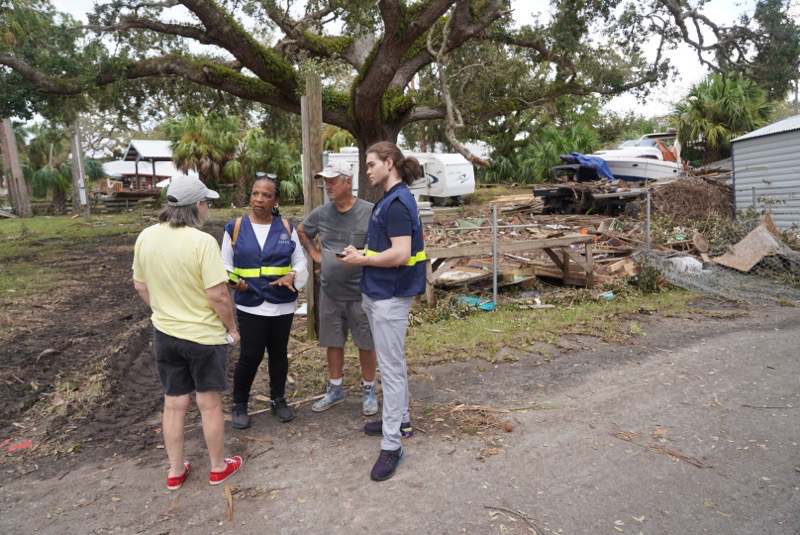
x: 181, y: 216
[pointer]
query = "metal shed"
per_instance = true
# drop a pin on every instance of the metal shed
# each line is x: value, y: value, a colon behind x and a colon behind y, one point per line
x: 766, y: 171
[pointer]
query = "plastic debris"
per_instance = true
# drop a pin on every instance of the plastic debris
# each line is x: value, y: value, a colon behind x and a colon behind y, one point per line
x: 482, y: 304
x: 20, y: 446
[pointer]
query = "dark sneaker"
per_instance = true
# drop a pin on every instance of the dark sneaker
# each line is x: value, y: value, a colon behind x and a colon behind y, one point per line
x: 281, y: 410
x: 334, y: 394
x: 375, y: 429
x: 240, y: 420
x: 387, y: 463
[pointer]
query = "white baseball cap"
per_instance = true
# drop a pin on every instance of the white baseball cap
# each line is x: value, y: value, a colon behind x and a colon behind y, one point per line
x: 334, y: 169
x: 186, y: 190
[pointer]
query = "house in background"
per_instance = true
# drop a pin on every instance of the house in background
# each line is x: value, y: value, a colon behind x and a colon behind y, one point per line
x: 766, y: 171
x: 146, y: 166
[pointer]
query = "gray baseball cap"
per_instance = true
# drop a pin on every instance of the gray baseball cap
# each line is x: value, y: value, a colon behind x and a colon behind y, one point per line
x: 186, y: 190
x: 334, y: 169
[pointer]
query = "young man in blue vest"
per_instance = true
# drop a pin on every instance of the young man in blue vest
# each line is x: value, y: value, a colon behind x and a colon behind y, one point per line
x: 394, y: 272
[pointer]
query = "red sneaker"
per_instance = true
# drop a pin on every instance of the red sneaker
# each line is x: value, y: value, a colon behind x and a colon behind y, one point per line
x: 233, y: 466
x: 174, y: 483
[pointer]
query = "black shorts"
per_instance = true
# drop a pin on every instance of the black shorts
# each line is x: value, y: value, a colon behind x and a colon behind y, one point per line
x: 186, y: 367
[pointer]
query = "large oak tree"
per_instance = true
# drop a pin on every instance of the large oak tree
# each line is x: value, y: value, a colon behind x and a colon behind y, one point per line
x: 370, y: 52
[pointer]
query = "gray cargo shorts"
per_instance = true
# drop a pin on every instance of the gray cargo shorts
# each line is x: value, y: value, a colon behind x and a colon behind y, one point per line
x: 337, y: 317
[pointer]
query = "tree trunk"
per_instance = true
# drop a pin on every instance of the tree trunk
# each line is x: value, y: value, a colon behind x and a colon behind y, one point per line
x: 388, y: 133
x: 365, y: 190
x: 10, y: 142
x: 77, y: 170
x: 7, y: 175
x: 59, y: 205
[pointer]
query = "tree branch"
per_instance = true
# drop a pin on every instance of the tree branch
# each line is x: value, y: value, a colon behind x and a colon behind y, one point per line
x: 453, y: 118
x: 262, y: 61
x: 132, y: 22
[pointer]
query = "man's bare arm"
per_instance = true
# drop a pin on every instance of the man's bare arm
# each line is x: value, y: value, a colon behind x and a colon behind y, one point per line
x: 309, y: 245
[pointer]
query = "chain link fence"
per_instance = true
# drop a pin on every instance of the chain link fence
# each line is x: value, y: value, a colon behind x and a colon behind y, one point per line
x: 698, y: 244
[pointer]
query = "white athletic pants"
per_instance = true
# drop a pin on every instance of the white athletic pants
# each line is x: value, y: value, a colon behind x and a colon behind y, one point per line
x: 388, y: 319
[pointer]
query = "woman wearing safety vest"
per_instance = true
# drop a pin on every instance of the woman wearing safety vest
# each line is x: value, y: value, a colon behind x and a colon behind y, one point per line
x: 394, y: 272
x: 265, y: 264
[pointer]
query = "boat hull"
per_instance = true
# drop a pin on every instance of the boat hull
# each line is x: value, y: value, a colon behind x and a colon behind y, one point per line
x: 638, y: 169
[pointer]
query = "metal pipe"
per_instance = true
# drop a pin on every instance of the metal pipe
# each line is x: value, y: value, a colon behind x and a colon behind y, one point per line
x: 494, y: 255
x: 648, y: 224
x: 453, y: 229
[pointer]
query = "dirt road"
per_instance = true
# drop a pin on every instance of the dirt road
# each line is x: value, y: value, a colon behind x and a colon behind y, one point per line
x: 692, y: 428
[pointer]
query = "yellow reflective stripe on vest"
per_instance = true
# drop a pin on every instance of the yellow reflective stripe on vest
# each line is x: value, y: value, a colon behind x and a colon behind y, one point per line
x: 250, y: 273
x: 419, y: 257
x: 265, y: 271
x: 269, y: 271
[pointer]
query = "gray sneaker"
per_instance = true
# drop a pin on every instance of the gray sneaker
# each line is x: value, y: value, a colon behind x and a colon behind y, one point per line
x: 369, y: 401
x: 240, y: 420
x: 333, y: 394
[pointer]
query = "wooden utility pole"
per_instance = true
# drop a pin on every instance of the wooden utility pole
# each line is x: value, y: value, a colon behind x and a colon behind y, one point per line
x: 80, y: 193
x: 7, y: 175
x: 20, y: 188
x: 311, y: 114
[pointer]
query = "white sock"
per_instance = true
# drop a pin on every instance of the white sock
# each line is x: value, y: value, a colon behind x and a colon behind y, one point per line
x: 336, y: 382
x: 368, y: 383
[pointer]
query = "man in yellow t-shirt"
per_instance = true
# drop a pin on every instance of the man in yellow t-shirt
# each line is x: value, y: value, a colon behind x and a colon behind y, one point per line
x: 178, y: 271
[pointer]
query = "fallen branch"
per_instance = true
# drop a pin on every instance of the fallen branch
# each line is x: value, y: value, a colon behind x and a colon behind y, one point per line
x: 482, y: 408
x: 631, y: 437
x: 292, y: 404
x: 229, y: 499
x: 524, y: 517
x: 768, y: 407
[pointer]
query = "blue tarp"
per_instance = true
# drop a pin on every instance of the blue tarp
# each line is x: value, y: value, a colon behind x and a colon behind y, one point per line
x: 595, y: 162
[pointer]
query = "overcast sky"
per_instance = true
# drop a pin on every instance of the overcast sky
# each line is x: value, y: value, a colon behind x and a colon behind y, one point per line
x: 661, y: 99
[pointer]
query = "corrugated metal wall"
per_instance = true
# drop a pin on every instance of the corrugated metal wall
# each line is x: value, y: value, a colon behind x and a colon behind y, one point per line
x: 766, y: 173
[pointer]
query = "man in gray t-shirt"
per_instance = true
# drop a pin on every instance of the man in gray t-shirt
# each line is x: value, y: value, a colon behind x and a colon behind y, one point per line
x: 340, y: 223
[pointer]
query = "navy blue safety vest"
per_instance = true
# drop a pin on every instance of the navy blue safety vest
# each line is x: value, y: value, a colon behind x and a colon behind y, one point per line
x: 402, y: 281
x: 260, y: 266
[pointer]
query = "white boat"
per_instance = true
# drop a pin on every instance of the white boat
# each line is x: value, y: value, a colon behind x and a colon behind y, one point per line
x: 647, y: 158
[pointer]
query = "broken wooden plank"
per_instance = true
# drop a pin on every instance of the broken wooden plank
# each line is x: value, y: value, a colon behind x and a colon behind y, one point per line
x: 751, y: 249
x: 509, y: 247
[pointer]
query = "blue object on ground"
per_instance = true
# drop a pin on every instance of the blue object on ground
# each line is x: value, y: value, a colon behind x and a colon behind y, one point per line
x: 595, y: 162
x: 482, y: 304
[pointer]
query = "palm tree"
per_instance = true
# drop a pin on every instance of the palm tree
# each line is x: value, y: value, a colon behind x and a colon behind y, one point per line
x: 718, y: 109
x: 334, y: 138
x: 216, y: 148
x: 56, y: 181
x: 258, y: 152
x: 203, y: 144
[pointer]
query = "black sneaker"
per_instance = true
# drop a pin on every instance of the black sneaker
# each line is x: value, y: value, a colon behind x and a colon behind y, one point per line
x: 240, y: 420
x: 375, y: 429
x: 281, y: 410
x: 387, y: 463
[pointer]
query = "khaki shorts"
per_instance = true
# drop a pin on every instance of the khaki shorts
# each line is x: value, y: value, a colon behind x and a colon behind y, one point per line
x: 337, y: 317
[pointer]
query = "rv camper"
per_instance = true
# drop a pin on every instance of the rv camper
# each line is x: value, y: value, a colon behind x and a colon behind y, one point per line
x: 446, y: 176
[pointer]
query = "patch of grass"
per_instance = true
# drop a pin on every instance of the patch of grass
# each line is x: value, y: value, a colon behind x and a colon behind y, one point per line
x: 47, y: 234
x: 23, y: 279
x: 482, y: 335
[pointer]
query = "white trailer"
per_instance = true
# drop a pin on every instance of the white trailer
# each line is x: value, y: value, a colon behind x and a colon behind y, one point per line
x: 445, y: 175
